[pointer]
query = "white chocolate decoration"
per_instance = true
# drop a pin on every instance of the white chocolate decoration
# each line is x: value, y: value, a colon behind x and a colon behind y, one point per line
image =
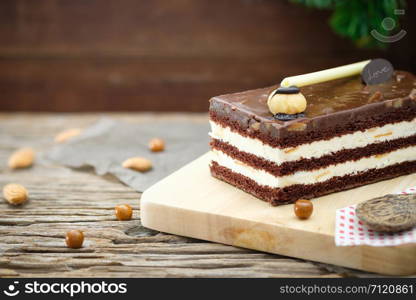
x: 286, y: 103
x: 324, y: 75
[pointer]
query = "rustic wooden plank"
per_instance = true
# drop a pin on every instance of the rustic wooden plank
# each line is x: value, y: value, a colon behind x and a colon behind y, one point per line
x: 180, y: 29
x: 94, y: 55
x: 32, y: 236
x: 137, y: 84
x: 159, y: 28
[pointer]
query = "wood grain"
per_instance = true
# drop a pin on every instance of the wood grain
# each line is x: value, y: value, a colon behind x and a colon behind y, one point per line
x: 32, y: 236
x: 96, y: 55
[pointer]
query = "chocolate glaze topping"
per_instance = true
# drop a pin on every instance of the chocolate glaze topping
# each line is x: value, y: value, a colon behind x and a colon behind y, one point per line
x: 337, y: 105
x: 287, y: 90
x: 327, y: 97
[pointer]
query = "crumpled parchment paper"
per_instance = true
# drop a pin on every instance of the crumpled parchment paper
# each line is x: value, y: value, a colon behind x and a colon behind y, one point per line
x: 107, y: 143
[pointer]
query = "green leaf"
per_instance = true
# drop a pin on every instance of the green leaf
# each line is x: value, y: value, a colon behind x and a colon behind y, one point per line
x: 355, y: 19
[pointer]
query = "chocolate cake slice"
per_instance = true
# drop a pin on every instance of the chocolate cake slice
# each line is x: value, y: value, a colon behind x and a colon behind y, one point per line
x: 351, y: 134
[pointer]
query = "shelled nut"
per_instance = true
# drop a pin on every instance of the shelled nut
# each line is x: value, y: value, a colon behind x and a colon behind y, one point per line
x: 74, y: 239
x: 15, y: 194
x: 22, y: 158
x: 138, y: 164
x: 123, y: 212
x: 156, y: 145
x: 303, y: 209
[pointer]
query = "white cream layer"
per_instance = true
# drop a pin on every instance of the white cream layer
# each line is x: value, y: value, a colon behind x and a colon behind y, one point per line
x: 315, y: 149
x: 310, y: 177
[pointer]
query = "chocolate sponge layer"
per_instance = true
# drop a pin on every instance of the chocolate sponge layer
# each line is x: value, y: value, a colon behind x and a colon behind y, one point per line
x: 285, y: 137
x: 291, y: 167
x: 290, y: 194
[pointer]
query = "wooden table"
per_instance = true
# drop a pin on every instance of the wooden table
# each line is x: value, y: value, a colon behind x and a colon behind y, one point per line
x: 32, y: 236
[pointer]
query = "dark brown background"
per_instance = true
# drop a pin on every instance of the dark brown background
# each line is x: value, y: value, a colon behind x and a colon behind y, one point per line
x: 95, y: 55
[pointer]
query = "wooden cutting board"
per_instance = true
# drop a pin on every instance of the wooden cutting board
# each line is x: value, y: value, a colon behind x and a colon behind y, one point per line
x: 192, y: 203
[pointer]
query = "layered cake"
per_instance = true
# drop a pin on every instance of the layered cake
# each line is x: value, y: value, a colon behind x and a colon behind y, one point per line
x: 350, y: 134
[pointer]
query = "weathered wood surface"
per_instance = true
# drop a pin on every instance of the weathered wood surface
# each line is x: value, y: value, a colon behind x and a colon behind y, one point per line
x: 89, y: 55
x: 32, y: 236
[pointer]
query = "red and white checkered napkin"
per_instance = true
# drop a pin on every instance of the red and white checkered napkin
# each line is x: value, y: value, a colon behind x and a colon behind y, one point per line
x: 350, y: 231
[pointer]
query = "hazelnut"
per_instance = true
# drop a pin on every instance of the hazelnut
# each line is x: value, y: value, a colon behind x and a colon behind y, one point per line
x: 287, y: 103
x: 156, y: 145
x: 138, y: 163
x: 74, y: 239
x: 123, y: 212
x: 303, y: 209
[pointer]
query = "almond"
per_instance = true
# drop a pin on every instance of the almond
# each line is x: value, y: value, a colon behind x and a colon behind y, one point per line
x: 22, y: 158
x: 65, y: 135
x: 138, y: 163
x: 15, y: 193
x: 156, y: 145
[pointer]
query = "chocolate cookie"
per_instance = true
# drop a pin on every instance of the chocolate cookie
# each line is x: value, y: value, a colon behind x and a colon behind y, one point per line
x: 389, y: 213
